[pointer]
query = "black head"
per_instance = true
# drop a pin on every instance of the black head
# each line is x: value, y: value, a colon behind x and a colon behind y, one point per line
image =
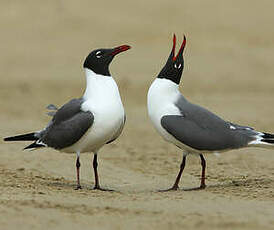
x: 98, y: 60
x: 174, y: 66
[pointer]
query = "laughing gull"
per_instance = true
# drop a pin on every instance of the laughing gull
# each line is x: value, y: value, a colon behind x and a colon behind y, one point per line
x: 87, y: 123
x: 193, y: 129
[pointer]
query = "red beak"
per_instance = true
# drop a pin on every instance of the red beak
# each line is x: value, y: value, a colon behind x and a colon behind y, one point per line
x: 119, y: 49
x: 181, y: 48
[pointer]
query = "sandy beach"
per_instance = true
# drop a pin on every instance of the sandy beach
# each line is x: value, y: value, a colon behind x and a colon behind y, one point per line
x: 229, y: 69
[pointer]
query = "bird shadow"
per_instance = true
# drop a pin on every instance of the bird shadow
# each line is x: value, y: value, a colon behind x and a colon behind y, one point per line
x: 228, y: 184
x: 242, y: 183
x: 73, y: 186
x: 233, y: 183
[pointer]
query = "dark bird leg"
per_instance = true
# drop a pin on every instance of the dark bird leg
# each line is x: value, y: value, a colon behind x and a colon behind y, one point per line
x: 78, y: 172
x: 95, y: 165
x: 97, y: 184
x: 203, y: 163
x: 176, y: 184
x: 182, y: 166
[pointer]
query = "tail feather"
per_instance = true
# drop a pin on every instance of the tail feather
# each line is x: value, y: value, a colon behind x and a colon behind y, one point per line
x: 23, y: 137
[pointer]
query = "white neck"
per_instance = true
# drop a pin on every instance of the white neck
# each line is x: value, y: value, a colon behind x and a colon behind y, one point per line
x: 99, y: 85
x: 162, y: 93
x: 161, y: 101
x: 164, y: 87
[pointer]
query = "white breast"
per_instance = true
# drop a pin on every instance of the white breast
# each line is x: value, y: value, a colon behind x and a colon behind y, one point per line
x: 161, y: 99
x: 102, y: 98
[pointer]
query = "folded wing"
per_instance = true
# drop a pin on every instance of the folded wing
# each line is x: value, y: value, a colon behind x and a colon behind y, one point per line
x: 67, y: 126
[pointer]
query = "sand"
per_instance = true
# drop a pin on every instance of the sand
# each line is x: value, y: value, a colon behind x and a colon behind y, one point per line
x: 228, y: 69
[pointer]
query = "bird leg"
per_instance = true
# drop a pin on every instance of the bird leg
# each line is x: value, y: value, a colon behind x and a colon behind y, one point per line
x: 95, y: 165
x: 203, y: 163
x: 182, y: 166
x: 176, y: 184
x: 78, y: 173
x: 97, y: 184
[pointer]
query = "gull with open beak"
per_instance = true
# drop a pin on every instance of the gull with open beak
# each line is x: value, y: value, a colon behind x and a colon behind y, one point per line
x: 194, y: 129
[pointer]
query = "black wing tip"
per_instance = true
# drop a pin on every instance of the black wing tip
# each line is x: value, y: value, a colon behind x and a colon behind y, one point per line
x: 13, y: 138
x: 34, y: 145
x: 269, y: 141
x: 23, y: 137
x: 268, y: 136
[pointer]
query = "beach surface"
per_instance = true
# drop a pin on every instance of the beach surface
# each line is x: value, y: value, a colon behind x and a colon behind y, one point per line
x: 229, y: 69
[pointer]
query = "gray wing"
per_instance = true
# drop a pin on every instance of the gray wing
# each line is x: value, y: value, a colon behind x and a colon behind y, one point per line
x: 53, y: 108
x: 68, y: 110
x: 201, y: 129
x: 67, y: 126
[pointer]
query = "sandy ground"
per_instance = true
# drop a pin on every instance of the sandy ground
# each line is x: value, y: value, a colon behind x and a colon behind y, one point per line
x: 228, y: 69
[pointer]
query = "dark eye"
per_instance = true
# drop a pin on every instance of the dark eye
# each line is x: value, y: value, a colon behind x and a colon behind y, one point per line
x: 177, y: 66
x: 98, y: 54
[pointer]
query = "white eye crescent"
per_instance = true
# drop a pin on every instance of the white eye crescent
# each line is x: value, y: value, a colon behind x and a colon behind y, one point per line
x: 177, y: 67
x: 98, y: 54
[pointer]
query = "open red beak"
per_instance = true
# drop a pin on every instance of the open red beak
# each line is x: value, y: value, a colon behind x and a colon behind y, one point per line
x: 119, y: 49
x: 181, y: 50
